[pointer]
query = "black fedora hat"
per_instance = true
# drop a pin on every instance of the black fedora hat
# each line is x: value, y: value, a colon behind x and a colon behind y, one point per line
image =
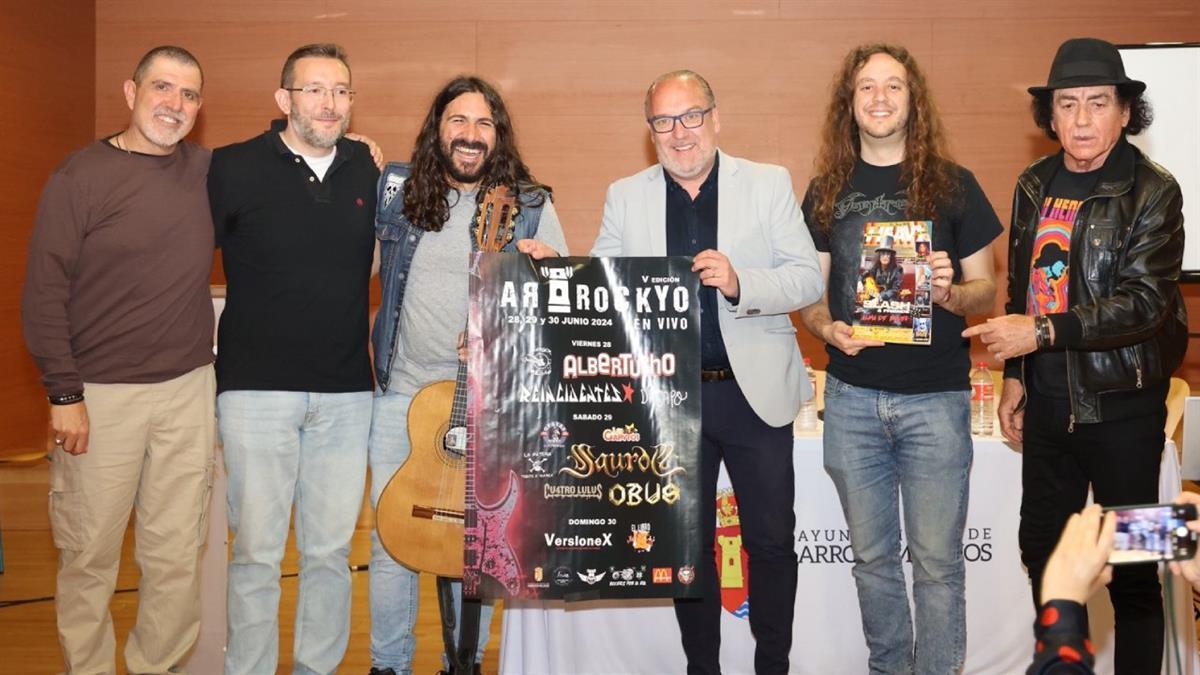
x: 1087, y: 62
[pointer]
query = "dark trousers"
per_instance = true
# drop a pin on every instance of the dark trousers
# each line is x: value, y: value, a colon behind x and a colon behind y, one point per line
x: 1120, y: 460
x: 758, y: 458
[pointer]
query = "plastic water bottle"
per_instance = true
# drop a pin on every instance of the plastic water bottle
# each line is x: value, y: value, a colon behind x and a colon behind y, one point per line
x: 807, y: 420
x: 982, y: 400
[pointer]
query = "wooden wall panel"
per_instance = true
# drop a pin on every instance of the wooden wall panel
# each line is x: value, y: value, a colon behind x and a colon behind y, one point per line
x: 242, y: 61
x: 574, y: 73
x: 399, y: 12
x: 1030, y: 11
x: 47, y: 109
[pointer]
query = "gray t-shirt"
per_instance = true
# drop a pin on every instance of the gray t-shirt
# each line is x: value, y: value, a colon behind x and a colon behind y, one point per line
x: 435, y: 301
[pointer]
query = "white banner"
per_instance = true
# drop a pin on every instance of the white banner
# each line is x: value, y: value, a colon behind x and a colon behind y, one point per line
x: 606, y: 638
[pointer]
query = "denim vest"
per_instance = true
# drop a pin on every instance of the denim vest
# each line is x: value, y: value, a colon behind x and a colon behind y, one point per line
x: 398, y: 241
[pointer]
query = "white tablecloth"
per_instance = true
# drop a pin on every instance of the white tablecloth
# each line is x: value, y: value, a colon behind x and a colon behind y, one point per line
x: 556, y: 638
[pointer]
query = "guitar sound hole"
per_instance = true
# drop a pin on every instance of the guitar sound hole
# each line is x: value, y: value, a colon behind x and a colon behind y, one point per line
x: 455, y: 441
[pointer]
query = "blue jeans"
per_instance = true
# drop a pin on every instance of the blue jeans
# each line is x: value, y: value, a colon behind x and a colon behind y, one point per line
x: 283, y: 447
x: 879, y: 445
x: 392, y: 587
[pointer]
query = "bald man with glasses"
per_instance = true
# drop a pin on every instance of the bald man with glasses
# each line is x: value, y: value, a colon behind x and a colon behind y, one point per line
x: 741, y: 224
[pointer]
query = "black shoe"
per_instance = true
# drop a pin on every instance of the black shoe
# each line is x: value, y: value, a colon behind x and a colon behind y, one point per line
x: 478, y: 670
x: 382, y: 671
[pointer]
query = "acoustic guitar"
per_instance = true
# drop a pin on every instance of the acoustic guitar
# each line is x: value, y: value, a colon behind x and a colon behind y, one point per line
x: 420, y: 513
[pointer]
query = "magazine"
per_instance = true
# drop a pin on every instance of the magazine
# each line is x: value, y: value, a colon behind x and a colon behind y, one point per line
x: 893, y: 302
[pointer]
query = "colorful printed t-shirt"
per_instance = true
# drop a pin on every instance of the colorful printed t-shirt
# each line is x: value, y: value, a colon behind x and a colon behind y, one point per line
x: 1050, y: 271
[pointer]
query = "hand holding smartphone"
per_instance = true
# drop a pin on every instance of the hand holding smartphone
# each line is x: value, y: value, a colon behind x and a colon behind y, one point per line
x: 1153, y: 533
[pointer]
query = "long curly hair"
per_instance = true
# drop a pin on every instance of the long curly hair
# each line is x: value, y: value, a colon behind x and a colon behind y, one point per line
x: 927, y: 170
x: 426, y: 202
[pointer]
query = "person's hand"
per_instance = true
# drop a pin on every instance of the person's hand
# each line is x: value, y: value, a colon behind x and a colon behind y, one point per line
x: 716, y: 271
x: 372, y: 146
x: 70, y: 425
x: 841, y: 335
x: 1006, y: 336
x: 941, y: 276
x: 1079, y: 565
x: 462, y: 347
x: 1188, y: 569
x: 536, y: 249
x: 1012, y: 420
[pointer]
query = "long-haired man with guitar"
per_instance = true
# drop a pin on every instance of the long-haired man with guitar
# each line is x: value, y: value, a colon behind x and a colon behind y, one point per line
x: 430, y: 217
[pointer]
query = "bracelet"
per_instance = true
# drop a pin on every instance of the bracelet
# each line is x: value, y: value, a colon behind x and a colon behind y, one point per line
x: 66, y: 399
x: 1041, y: 330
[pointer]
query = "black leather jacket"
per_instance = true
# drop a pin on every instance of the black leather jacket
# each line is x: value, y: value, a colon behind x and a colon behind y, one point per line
x: 1126, y: 325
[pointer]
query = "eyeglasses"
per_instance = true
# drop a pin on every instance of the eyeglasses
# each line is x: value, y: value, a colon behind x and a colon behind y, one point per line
x: 339, y: 93
x: 665, y: 124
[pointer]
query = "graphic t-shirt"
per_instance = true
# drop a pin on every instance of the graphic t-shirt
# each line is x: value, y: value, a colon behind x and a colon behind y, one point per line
x: 1050, y: 269
x: 963, y: 226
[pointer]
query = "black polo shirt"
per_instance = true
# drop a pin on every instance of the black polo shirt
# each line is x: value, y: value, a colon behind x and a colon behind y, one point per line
x: 297, y: 256
x: 692, y: 228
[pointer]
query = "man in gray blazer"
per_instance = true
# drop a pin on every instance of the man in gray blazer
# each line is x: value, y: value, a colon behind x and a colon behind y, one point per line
x: 741, y: 223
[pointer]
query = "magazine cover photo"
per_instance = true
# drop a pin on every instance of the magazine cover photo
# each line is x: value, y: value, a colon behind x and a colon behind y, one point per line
x: 893, y: 303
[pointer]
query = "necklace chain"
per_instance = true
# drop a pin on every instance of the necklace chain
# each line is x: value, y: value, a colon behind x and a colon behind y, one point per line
x: 120, y: 145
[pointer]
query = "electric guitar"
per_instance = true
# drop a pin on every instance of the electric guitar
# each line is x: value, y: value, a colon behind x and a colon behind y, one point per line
x: 420, y: 512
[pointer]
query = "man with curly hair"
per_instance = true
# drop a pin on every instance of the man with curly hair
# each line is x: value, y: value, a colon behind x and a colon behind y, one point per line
x: 466, y: 146
x: 1091, y: 337
x: 897, y: 416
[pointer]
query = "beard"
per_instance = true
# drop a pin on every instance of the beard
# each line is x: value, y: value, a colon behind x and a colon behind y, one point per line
x: 304, y: 128
x: 164, y: 137
x: 460, y: 174
x: 898, y: 124
x: 687, y: 170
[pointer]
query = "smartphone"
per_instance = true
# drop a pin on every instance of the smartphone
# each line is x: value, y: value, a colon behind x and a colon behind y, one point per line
x: 1153, y: 533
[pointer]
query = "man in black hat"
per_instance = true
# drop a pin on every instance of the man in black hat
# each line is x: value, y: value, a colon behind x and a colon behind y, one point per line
x: 1089, y: 357
x: 885, y: 272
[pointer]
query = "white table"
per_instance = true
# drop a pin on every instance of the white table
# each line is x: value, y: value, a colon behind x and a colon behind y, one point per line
x: 610, y: 637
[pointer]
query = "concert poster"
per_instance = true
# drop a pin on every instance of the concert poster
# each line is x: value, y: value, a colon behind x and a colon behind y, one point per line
x: 583, y: 424
x: 894, y: 302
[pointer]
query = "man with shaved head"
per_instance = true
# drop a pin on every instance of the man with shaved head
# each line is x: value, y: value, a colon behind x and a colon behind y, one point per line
x: 118, y: 317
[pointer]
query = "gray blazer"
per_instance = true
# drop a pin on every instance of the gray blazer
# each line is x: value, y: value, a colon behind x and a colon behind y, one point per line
x: 761, y: 230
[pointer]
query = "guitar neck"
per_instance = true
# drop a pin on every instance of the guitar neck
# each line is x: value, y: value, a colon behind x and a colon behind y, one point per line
x: 458, y: 411
x: 461, y: 416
